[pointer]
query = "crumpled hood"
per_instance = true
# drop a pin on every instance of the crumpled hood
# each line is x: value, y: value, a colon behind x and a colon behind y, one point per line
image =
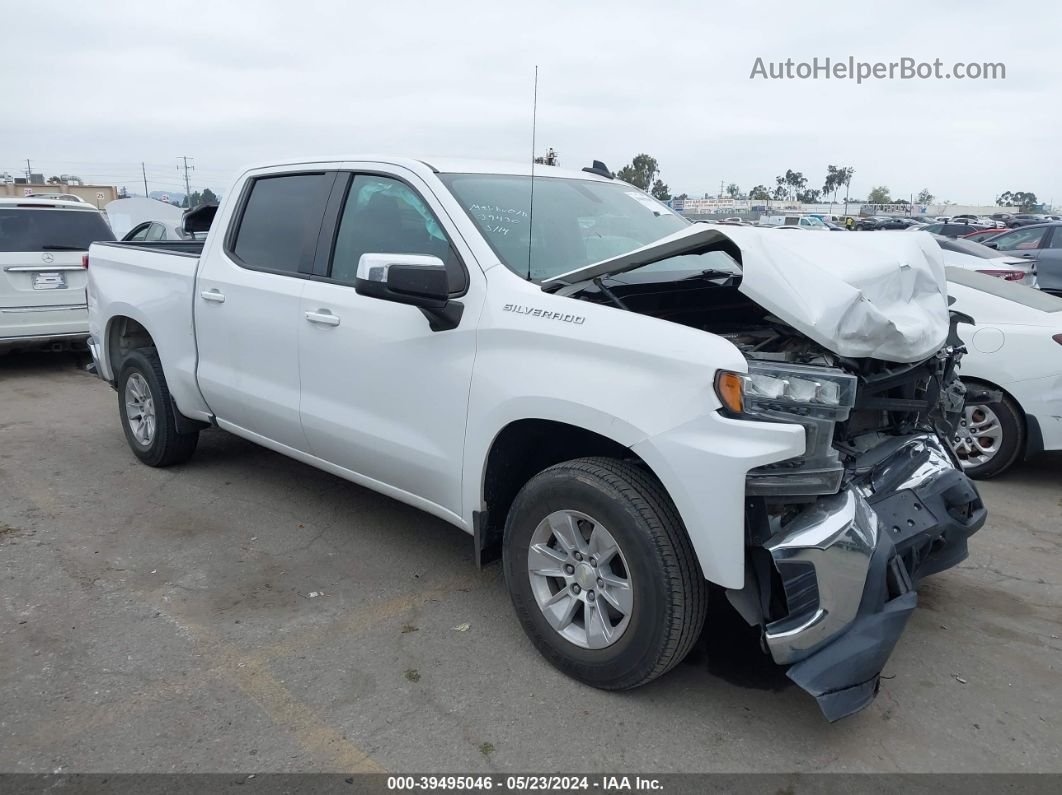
x: 880, y: 295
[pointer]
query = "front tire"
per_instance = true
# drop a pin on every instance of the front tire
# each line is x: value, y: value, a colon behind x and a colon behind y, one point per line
x: 602, y: 574
x: 147, y: 412
x: 990, y: 437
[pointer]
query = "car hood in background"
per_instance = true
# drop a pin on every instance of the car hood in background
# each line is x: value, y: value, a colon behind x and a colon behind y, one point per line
x: 124, y: 214
x: 878, y: 296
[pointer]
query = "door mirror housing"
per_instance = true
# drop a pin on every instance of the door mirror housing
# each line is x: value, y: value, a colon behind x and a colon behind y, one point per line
x: 991, y: 245
x: 404, y: 278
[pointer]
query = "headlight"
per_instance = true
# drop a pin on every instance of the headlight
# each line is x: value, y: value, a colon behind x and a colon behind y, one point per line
x: 774, y: 387
x: 815, y: 397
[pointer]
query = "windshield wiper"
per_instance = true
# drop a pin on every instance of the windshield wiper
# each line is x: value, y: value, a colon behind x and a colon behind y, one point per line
x: 713, y: 273
x: 62, y: 247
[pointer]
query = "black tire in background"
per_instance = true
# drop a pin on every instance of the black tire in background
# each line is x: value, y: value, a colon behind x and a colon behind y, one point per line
x: 669, y: 590
x: 167, y: 446
x: 1012, y: 423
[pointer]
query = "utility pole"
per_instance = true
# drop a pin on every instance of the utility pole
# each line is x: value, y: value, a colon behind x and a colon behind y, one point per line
x: 721, y: 188
x: 187, y: 185
x: 29, y: 178
x: 143, y: 172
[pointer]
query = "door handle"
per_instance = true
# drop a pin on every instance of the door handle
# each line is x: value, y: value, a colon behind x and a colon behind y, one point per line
x: 323, y: 317
x: 1028, y: 255
x: 213, y: 295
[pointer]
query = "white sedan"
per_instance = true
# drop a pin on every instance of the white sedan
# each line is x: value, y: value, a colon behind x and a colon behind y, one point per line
x: 971, y: 256
x: 1012, y: 371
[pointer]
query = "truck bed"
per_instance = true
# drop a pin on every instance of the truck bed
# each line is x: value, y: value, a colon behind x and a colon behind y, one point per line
x: 150, y: 283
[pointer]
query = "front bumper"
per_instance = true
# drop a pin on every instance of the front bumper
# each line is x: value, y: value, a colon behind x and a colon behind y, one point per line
x: 849, y: 564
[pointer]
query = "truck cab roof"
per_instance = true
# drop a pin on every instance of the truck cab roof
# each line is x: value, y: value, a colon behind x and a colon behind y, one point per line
x: 442, y: 165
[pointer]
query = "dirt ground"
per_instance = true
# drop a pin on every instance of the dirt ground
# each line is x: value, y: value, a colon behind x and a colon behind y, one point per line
x: 246, y: 612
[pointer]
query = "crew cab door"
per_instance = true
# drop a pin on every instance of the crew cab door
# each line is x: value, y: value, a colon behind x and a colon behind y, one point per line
x: 384, y: 396
x: 247, y: 306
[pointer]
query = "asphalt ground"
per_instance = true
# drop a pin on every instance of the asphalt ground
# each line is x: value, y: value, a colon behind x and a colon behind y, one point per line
x: 246, y: 612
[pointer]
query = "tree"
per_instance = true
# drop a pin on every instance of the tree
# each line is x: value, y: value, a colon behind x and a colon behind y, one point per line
x: 660, y: 191
x: 780, y: 192
x: 760, y: 193
x: 879, y: 195
x: 836, y: 178
x: 796, y: 182
x: 924, y: 196
x: 1026, y: 200
x: 54, y: 181
x: 683, y: 196
x: 208, y: 197
x: 733, y: 191
x: 809, y: 197
x: 641, y: 172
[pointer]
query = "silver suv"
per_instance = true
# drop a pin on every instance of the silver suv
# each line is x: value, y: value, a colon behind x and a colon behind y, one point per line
x: 43, y: 246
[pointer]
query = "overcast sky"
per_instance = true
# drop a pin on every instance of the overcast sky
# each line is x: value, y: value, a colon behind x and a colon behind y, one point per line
x: 104, y: 85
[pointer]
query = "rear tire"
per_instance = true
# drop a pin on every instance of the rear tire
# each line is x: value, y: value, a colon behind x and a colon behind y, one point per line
x: 652, y: 622
x: 147, y: 412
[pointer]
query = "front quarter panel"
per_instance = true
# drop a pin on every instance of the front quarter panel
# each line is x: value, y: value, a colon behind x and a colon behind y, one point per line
x: 645, y: 383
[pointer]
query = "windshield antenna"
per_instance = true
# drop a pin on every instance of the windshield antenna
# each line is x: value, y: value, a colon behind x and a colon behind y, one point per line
x: 531, y: 206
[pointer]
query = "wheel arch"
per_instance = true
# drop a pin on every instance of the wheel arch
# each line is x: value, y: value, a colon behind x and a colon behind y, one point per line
x: 1032, y: 438
x: 124, y: 333
x: 518, y: 451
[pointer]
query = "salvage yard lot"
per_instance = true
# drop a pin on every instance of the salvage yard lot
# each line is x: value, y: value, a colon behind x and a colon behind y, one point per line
x: 245, y: 612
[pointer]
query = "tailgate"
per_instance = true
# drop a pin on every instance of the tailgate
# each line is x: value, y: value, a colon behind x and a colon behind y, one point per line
x: 42, y: 294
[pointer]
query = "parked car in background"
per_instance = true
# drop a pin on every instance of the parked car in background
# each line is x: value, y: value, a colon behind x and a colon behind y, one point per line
x: 802, y: 221
x: 154, y: 230
x: 1012, y: 371
x: 1024, y: 219
x: 948, y: 229
x: 42, y: 275
x: 363, y: 317
x: 867, y: 223
x: 981, y: 235
x: 1041, y: 245
x: 965, y: 254
x: 897, y: 223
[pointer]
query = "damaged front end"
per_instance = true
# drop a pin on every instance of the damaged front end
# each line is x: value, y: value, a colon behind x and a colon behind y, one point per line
x: 848, y: 336
x: 840, y: 536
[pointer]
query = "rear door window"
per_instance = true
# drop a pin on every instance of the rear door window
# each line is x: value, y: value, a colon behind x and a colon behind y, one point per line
x: 46, y: 229
x: 279, y: 222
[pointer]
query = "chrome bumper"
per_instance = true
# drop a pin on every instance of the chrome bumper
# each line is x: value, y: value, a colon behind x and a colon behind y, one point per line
x: 827, y: 554
x: 849, y: 563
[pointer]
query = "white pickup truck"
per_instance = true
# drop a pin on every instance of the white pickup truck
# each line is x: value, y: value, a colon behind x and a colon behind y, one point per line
x: 627, y: 407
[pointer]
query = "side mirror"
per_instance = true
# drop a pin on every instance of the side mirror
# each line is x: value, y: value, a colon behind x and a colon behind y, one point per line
x: 404, y: 278
x: 991, y: 245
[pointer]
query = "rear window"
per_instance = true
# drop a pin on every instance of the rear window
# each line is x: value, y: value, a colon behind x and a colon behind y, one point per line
x: 1018, y: 293
x: 280, y: 222
x: 45, y: 229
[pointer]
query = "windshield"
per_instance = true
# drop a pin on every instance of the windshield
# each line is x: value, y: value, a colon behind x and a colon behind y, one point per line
x: 45, y: 229
x: 811, y: 220
x: 576, y: 222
